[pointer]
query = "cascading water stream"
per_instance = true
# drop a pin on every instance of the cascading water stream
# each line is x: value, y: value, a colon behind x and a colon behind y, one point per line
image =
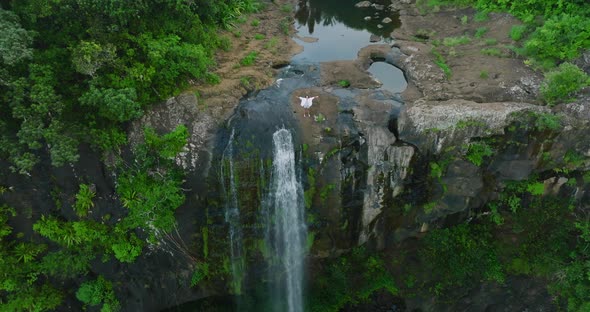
x: 232, y: 214
x: 286, y: 229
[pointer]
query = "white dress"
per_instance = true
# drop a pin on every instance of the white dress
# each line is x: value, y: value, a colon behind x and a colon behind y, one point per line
x: 305, y: 102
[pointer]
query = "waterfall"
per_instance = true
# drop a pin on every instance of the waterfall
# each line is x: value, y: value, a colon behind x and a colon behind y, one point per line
x: 286, y: 229
x: 232, y: 215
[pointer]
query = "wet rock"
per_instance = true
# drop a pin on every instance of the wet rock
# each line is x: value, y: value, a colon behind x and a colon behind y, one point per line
x: 432, y: 125
x: 584, y: 61
x: 386, y: 20
x: 378, y: 6
x: 363, y: 4
x: 179, y: 110
x: 374, y: 38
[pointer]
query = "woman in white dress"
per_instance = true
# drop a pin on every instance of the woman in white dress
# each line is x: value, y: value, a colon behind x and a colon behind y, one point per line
x: 306, y: 103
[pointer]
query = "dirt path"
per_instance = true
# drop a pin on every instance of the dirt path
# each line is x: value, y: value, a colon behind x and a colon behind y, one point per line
x: 260, y: 44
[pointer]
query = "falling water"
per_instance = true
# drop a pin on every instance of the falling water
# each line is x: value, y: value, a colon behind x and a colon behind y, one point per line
x: 286, y: 228
x: 232, y: 214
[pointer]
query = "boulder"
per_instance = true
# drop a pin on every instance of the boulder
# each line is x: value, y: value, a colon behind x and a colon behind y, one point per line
x: 363, y: 4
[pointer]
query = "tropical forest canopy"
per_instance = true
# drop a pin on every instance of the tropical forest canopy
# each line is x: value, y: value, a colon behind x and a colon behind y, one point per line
x: 74, y: 71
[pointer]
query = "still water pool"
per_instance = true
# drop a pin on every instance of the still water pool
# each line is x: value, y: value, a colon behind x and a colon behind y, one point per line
x: 341, y: 29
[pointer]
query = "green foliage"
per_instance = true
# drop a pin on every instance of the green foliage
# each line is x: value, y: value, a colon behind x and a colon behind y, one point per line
x: 481, y: 16
x: 200, y: 273
x: 561, y: 84
x: 441, y: 62
x: 459, y: 256
x: 259, y: 37
x: 84, y: 200
x: 536, y: 188
x: 255, y: 22
x: 249, y: 59
x: 455, y: 41
x: 483, y: 74
x: 492, y: 52
x: 464, y: 20
x: 517, y: 32
x: 562, y: 37
x: 348, y: 280
x: 477, y: 151
x: 99, y: 291
x: 88, y: 57
x: 150, y: 190
x: 480, y: 32
x: 115, y: 105
x: 344, y: 83
x: 15, y: 41
x: 547, y: 121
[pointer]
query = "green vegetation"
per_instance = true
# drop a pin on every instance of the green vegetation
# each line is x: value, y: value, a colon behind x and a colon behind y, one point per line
x: 477, y: 151
x: 492, y: 52
x: 344, y: 83
x: 460, y: 256
x: 84, y: 200
x: 455, y: 41
x: 97, y: 292
x: 332, y: 290
x: 517, y: 32
x: 483, y: 74
x: 441, y: 62
x: 95, y: 66
x: 480, y: 32
x: 259, y: 37
x: 255, y: 22
x: 561, y: 84
x: 249, y: 59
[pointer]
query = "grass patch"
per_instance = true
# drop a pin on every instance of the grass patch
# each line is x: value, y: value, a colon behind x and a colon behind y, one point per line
x: 480, y: 32
x: 287, y: 8
x: 455, y: 41
x: 441, y: 62
x: 492, y: 52
x: 259, y: 36
x: 483, y: 74
x: 255, y: 22
x: 249, y: 59
x: 490, y: 41
x: 464, y: 20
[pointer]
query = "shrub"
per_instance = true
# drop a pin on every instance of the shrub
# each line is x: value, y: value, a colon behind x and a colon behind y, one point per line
x: 517, y: 32
x: 84, y: 200
x: 480, y: 32
x: 560, y: 84
x: 562, y: 37
x: 99, y: 291
x: 344, y: 83
x: 477, y: 151
x: 460, y: 256
x: 547, y: 121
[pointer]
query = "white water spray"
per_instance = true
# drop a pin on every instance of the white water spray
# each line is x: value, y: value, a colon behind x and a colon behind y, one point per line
x: 287, y: 229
